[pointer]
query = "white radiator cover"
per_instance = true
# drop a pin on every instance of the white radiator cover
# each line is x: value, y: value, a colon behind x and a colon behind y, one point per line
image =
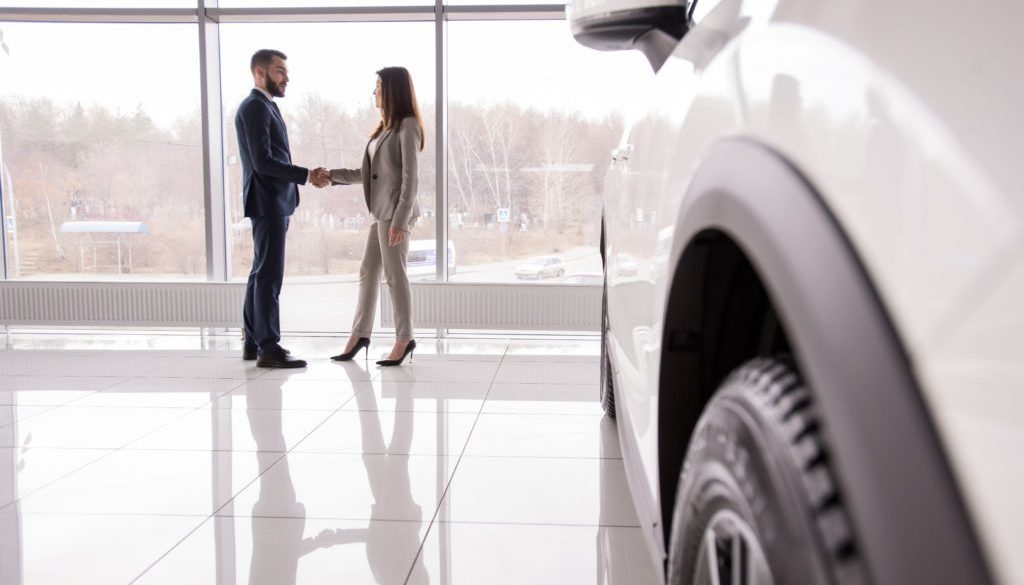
x: 534, y: 307
x: 136, y: 304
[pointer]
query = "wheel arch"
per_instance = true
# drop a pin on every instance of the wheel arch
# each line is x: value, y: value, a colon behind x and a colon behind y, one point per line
x: 761, y: 264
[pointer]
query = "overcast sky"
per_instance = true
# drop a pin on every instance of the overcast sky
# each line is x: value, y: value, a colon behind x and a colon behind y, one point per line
x: 533, y: 63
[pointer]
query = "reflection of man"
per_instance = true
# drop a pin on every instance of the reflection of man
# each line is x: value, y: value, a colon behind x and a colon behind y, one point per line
x: 277, y: 542
x: 270, y: 195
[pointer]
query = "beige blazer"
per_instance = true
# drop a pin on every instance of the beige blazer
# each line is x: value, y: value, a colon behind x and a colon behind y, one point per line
x: 391, y: 180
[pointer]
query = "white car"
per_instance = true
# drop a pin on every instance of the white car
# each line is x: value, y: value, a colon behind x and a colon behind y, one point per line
x: 819, y: 379
x: 542, y: 267
x: 422, y: 258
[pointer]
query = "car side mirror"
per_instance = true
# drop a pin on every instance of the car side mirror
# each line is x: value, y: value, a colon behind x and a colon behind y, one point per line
x: 653, y: 27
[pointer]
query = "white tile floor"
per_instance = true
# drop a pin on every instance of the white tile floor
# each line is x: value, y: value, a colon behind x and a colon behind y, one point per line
x: 140, y: 459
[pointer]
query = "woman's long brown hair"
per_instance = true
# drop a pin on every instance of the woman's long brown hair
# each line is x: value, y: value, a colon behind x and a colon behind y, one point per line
x: 398, y: 101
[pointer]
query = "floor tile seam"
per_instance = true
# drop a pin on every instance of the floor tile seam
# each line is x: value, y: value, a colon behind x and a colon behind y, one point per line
x: 544, y: 457
x: 331, y: 410
x: 544, y: 383
x: 311, y: 431
x: 555, y: 414
x: 172, y: 549
x: 352, y: 397
x: 230, y: 390
x: 416, y: 456
x: 451, y: 476
x: 309, y: 381
x: 298, y: 452
x: 188, y: 411
x: 254, y: 480
x: 166, y: 377
x: 48, y: 408
x: 203, y: 515
x: 69, y: 402
x: 34, y: 374
x: 319, y: 517
x: 392, y: 411
x: 594, y: 361
x: 142, y: 374
x: 194, y: 450
x: 136, y: 406
x: 525, y: 457
x: 21, y: 497
x: 539, y: 524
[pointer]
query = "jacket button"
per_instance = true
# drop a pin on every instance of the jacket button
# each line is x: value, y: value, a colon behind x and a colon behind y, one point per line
x: 373, y: 177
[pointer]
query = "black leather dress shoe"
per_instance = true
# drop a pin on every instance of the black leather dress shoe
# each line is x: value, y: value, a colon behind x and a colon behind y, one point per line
x: 251, y: 353
x: 279, y: 360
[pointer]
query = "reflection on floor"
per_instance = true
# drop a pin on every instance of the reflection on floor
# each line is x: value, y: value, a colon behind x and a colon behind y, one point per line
x: 134, y: 459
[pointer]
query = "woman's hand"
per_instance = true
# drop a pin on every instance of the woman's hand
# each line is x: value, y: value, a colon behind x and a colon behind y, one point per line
x: 395, y: 237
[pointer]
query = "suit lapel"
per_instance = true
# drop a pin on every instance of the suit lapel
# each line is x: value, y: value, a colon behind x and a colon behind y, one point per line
x: 277, y: 114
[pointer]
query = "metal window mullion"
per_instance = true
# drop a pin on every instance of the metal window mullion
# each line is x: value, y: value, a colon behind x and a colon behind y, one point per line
x: 441, y: 142
x: 215, y: 218
x: 3, y: 213
x: 441, y: 147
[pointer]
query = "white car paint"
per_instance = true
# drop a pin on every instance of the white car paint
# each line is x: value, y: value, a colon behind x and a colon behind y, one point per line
x: 905, y: 116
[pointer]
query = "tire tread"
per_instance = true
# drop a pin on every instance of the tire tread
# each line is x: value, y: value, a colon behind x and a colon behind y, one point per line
x: 786, y: 400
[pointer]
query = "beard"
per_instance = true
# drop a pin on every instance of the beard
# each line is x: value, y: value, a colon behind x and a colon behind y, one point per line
x: 272, y: 87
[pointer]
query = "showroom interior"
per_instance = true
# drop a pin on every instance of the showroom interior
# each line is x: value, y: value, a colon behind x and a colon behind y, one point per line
x: 463, y: 292
x: 126, y: 409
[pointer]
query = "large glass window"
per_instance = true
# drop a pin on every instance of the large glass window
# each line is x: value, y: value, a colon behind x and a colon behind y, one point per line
x: 330, y: 113
x: 102, y: 159
x: 101, y: 151
x: 532, y: 119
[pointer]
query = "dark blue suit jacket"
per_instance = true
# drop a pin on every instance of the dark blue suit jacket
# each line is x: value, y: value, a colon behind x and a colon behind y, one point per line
x: 269, y: 179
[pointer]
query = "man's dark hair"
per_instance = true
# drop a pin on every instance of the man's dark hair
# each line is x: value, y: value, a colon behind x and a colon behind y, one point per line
x: 264, y: 57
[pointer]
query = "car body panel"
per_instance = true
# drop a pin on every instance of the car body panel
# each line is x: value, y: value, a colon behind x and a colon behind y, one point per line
x: 913, y: 141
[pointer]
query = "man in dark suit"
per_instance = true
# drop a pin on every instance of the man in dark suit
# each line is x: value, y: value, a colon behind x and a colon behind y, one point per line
x: 270, y: 194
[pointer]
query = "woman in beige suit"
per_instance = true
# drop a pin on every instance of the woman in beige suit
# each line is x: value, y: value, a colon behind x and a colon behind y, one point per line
x: 389, y: 179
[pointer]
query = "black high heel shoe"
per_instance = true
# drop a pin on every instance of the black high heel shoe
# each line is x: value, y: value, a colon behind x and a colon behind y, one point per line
x: 408, y: 352
x: 344, y: 357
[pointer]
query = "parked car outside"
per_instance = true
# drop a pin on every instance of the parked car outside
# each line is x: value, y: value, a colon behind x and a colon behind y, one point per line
x: 422, y: 258
x: 541, y: 267
x: 594, y: 278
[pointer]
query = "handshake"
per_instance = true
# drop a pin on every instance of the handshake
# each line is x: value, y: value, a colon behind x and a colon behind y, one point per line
x: 320, y: 177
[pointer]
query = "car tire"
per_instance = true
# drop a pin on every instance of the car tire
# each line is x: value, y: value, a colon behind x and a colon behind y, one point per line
x: 607, y: 389
x: 758, y: 502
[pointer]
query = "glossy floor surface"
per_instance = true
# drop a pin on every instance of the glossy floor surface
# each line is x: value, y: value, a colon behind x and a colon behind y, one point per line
x: 137, y: 459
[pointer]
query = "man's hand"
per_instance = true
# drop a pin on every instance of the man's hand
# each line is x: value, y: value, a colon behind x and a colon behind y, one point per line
x: 320, y: 177
x: 395, y: 237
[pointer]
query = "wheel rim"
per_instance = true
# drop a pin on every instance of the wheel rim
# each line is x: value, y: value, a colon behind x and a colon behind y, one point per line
x: 730, y: 554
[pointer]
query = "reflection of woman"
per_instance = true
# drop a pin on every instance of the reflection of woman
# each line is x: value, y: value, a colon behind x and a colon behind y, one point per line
x: 387, y: 468
x: 389, y: 177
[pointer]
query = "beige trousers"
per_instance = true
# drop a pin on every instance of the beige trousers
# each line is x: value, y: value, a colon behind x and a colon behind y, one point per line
x: 380, y: 257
